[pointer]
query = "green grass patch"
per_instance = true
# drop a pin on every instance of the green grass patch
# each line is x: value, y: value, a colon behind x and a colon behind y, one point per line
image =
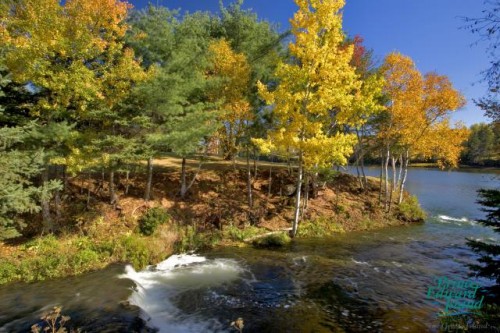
x: 239, y: 235
x: 51, y: 257
x: 319, y: 227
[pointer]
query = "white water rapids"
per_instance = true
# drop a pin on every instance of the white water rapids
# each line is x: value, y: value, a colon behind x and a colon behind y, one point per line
x: 158, y: 285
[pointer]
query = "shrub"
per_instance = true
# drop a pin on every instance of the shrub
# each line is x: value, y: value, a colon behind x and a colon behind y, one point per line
x: 191, y: 240
x: 83, y: 260
x: 327, y: 175
x: 410, y: 211
x: 152, y: 219
x: 8, y: 272
x: 274, y: 240
x: 134, y: 249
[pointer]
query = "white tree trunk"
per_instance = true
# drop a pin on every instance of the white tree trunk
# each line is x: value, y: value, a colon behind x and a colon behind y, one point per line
x: 405, y: 173
x: 295, y: 224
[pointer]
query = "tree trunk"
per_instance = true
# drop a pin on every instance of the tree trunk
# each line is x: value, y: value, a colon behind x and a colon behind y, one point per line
x: 314, y: 184
x: 255, y: 164
x: 306, y: 195
x: 183, y: 179
x: 48, y: 224
x: 112, y: 195
x: 147, y: 193
x: 400, y: 173
x: 270, y: 181
x: 405, y: 173
x: 65, y: 178
x: 297, y: 198
x: 358, y: 173
x: 57, y: 196
x: 127, y: 181
x: 386, y: 180
x: 184, y: 188
x: 362, y: 157
x: 88, y: 191
x: 393, y: 185
x: 57, y: 204
x: 249, y: 182
x: 381, y: 177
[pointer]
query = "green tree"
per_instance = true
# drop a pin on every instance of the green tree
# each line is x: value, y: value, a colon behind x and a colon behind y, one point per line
x: 481, y: 144
x: 174, y: 100
x: 488, y: 265
x: 21, y: 162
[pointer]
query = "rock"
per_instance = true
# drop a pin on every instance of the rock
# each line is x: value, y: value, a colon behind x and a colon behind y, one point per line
x: 289, y: 190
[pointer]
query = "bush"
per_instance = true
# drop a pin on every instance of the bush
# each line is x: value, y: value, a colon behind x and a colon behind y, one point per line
x: 152, y: 219
x: 192, y: 240
x: 327, y: 175
x: 410, y: 211
x: 134, y: 249
x: 272, y: 241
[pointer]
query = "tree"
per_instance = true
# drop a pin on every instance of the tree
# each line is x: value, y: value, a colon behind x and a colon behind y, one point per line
x: 417, y: 118
x: 73, y: 57
x: 481, y: 144
x: 488, y: 265
x: 174, y: 100
x: 20, y: 165
x: 487, y: 27
x: 370, y: 102
x: 317, y: 85
x: 232, y: 73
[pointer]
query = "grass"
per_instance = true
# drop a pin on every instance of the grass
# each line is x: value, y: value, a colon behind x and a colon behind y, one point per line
x: 320, y: 227
x: 239, y: 235
x: 50, y: 257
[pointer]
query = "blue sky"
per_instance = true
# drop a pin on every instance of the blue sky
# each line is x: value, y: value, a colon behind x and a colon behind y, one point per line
x: 429, y: 31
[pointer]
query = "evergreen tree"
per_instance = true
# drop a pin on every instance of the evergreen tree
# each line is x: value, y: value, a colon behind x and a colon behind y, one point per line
x: 180, y: 117
x: 489, y: 261
x: 21, y: 163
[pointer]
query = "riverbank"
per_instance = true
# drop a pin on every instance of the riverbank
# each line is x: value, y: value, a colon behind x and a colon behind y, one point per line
x: 215, y: 213
x: 462, y: 167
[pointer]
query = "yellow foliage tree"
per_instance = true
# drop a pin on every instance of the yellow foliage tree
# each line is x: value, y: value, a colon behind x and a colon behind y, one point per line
x: 233, y: 77
x: 417, y: 120
x: 314, y: 92
x: 74, y: 52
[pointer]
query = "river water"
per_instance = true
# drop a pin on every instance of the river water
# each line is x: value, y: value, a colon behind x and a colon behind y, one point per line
x: 373, y: 281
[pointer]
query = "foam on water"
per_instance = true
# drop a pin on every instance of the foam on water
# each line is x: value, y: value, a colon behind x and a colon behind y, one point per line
x: 360, y: 262
x: 158, y: 285
x: 450, y: 219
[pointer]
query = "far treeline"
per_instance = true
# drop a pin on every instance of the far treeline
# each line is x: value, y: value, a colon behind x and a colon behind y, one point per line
x: 91, y: 89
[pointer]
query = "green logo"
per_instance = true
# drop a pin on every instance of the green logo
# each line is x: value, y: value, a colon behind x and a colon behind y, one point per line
x: 459, y: 295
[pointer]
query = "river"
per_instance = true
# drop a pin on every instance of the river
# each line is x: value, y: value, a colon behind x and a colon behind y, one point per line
x: 372, y: 281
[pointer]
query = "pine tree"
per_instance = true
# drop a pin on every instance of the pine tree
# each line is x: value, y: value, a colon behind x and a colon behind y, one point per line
x: 489, y: 261
x: 175, y: 101
x: 21, y: 164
